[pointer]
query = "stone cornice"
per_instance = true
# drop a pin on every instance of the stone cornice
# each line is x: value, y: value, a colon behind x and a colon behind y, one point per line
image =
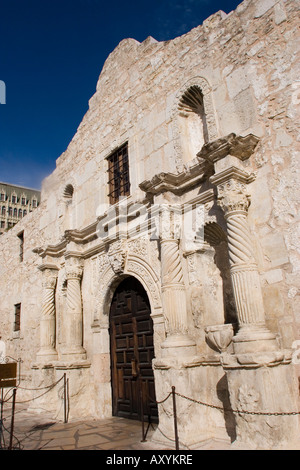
x: 177, y: 183
x: 52, y: 250
x: 49, y: 266
x: 232, y: 173
x: 241, y: 147
x: 194, y: 174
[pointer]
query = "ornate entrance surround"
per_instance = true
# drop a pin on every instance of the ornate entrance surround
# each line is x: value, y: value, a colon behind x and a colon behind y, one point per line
x: 220, y: 162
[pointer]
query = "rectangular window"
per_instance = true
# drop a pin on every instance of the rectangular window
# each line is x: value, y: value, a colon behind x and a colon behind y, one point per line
x: 21, y: 252
x: 17, y: 322
x: 118, y: 174
x: 13, y: 199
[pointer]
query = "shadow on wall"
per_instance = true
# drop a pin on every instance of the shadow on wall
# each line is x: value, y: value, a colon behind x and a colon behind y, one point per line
x: 229, y: 418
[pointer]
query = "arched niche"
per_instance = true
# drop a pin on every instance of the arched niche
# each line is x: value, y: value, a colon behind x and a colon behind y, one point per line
x: 194, y: 121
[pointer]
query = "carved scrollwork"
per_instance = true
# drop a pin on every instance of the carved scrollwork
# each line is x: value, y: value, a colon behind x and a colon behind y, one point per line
x: 233, y: 196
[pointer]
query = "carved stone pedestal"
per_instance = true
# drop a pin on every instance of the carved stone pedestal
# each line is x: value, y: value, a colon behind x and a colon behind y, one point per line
x: 51, y: 401
x: 263, y: 412
x: 200, y: 381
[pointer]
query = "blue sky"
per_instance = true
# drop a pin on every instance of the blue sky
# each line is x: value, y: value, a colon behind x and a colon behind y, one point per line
x: 51, y: 55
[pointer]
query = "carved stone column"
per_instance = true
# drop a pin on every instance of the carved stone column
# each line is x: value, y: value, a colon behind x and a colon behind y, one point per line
x: 74, y: 315
x: 47, y: 350
x: 253, y: 336
x: 260, y: 376
x: 173, y: 289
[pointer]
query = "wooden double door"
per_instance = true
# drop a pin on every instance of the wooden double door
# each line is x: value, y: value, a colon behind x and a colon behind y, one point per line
x: 132, y: 351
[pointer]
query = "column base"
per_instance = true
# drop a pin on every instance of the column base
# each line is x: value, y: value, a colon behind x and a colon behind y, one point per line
x: 178, y: 345
x: 254, y: 338
x: 46, y: 355
x: 78, y: 354
x: 263, y: 397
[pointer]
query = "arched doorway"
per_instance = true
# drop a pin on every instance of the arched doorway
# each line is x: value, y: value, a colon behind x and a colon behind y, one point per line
x: 132, y: 351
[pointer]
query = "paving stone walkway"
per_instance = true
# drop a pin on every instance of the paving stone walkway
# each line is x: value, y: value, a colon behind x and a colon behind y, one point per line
x: 39, y: 432
x: 34, y: 431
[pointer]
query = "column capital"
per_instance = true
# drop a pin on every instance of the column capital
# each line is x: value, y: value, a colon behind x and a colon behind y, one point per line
x: 74, y: 272
x: 49, y: 282
x: 233, y: 196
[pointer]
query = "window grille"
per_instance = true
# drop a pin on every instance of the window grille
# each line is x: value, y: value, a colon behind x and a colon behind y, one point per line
x: 118, y: 174
x: 17, y: 322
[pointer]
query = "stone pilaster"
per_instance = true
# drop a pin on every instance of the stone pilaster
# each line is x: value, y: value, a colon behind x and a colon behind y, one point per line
x: 74, y: 315
x: 173, y: 289
x: 47, y: 350
x: 234, y: 199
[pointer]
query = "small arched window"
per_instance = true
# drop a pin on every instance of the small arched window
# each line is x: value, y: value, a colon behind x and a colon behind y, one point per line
x: 68, y: 192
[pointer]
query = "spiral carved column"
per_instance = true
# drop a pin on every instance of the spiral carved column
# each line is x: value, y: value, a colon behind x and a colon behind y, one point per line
x: 253, y: 334
x: 48, y: 319
x: 173, y: 288
x: 74, y: 316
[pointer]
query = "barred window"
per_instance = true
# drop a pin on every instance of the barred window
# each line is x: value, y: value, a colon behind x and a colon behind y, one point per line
x: 17, y: 322
x: 118, y: 174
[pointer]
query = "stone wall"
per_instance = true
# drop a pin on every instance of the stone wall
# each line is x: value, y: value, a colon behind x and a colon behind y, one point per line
x: 244, y: 63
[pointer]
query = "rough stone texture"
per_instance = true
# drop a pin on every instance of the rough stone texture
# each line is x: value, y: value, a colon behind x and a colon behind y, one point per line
x: 245, y: 66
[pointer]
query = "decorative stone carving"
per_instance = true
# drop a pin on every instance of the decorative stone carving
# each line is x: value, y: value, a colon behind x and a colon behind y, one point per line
x: 48, y: 319
x: 197, y: 307
x: 220, y: 336
x: 233, y: 196
x: 117, y: 256
x: 138, y: 246
x: 145, y: 275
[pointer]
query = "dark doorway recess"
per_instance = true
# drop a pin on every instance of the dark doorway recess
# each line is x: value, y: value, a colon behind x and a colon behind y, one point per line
x: 132, y: 351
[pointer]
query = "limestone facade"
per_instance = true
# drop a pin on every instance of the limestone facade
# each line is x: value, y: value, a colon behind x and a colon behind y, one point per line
x: 210, y: 230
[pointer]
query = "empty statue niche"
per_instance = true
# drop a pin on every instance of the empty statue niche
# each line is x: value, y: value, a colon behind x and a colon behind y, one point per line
x: 217, y: 238
x: 192, y: 122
